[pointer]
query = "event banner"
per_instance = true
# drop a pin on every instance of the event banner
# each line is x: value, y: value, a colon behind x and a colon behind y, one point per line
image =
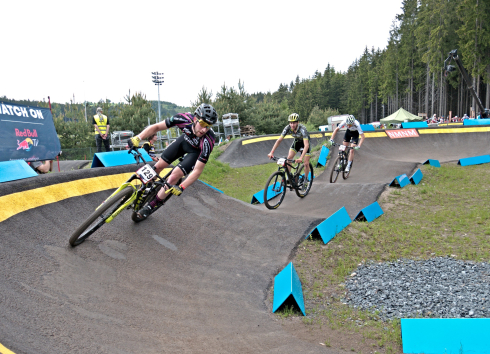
x: 27, y: 133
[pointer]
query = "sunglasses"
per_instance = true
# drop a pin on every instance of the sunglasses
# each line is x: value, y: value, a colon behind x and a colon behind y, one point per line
x: 203, y: 124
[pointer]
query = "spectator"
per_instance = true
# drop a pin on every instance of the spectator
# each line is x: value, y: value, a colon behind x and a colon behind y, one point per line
x: 101, y: 125
x: 42, y: 167
x: 150, y: 147
x: 228, y: 138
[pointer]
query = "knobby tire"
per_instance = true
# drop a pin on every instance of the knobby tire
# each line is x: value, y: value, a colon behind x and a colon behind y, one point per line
x: 335, y: 171
x: 93, y: 222
x: 299, y: 191
x: 276, y: 177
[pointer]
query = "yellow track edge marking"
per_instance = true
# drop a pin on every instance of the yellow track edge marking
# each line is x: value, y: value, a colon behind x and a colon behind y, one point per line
x: 12, y: 204
x: 4, y: 350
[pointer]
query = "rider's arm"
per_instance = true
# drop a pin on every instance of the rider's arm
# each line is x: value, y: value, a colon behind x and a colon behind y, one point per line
x: 194, y: 175
x: 334, y: 132
x: 152, y: 129
x: 276, y: 144
x: 362, y: 139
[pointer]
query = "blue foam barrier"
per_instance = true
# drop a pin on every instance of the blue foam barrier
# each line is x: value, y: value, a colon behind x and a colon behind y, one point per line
x: 446, y: 335
x: 117, y: 158
x: 258, y: 198
x: 14, y: 170
x: 407, y: 125
x: 475, y: 160
x: 287, y: 286
x: 330, y: 227
x: 416, y: 177
x: 322, y: 160
x: 434, y: 163
x: 370, y: 213
x: 485, y: 121
x: 367, y: 128
x: 400, y: 181
x: 211, y: 186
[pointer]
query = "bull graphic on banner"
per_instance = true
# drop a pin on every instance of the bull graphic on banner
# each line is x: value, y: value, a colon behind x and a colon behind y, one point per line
x: 27, y: 133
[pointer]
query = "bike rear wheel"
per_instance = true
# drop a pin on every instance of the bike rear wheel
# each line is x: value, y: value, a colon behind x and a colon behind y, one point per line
x: 345, y: 174
x: 275, y: 190
x: 99, y: 216
x: 336, y: 168
x: 302, y: 191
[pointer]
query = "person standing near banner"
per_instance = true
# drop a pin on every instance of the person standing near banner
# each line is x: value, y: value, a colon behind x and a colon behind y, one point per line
x: 101, y: 125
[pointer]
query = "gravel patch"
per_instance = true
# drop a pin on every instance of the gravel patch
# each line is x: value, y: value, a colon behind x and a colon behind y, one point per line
x: 438, y: 287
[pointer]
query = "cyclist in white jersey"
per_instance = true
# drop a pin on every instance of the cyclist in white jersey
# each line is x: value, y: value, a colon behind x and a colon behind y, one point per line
x: 351, y: 136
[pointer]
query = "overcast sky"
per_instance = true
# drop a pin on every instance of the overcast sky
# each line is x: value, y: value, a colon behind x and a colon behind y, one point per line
x: 102, y: 49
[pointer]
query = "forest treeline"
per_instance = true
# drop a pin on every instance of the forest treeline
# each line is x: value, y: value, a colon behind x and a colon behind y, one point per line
x: 407, y: 73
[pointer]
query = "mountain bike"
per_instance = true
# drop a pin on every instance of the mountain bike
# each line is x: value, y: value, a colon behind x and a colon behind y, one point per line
x: 283, y: 178
x: 341, y: 163
x: 128, y: 196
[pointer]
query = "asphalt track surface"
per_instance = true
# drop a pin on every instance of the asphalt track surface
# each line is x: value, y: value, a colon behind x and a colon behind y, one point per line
x: 194, y: 277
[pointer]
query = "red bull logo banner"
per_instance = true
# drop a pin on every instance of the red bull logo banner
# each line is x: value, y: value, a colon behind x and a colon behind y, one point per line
x: 402, y: 133
x: 27, y: 133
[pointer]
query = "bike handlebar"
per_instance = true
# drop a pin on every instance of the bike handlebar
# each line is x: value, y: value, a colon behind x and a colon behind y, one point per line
x: 277, y: 158
x: 347, y: 147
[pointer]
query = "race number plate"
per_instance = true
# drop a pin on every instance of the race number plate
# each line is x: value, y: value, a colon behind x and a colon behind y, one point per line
x: 281, y: 161
x: 146, y: 173
x: 342, y: 148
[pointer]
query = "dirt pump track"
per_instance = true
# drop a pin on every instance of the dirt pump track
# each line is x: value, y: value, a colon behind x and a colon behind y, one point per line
x: 194, y: 277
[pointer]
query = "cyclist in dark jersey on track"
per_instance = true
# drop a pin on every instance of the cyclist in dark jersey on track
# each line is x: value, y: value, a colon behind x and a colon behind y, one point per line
x: 301, y: 142
x: 197, y: 141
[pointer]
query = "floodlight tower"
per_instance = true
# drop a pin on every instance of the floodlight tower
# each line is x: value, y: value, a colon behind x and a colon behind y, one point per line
x: 157, y: 80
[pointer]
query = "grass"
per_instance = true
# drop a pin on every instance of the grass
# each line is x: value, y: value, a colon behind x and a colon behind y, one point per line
x: 445, y: 215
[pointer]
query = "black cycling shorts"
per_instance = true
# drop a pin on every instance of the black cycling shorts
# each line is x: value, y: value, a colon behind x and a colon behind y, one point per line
x: 351, y: 136
x: 299, y: 145
x: 179, y: 148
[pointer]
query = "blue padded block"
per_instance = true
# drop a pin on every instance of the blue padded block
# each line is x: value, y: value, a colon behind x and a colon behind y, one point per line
x: 330, y: 227
x: 117, y: 158
x: 14, y: 170
x: 476, y: 160
x: 370, y: 213
x: 400, y: 181
x: 414, y: 125
x: 367, y: 127
x: 258, y: 198
x: 485, y: 121
x: 322, y: 160
x: 434, y: 163
x: 416, y: 177
x: 287, y: 284
x: 211, y: 186
x: 446, y: 335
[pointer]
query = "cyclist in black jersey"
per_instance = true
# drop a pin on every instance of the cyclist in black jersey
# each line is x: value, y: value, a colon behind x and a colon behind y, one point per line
x: 301, y: 142
x: 197, y: 141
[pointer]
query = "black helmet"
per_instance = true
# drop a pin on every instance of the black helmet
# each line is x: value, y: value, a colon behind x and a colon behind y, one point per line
x: 207, y: 113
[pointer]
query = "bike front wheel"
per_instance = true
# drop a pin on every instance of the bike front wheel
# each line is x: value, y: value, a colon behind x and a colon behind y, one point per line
x: 275, y: 190
x: 99, y: 216
x: 336, y: 168
x: 304, y: 182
